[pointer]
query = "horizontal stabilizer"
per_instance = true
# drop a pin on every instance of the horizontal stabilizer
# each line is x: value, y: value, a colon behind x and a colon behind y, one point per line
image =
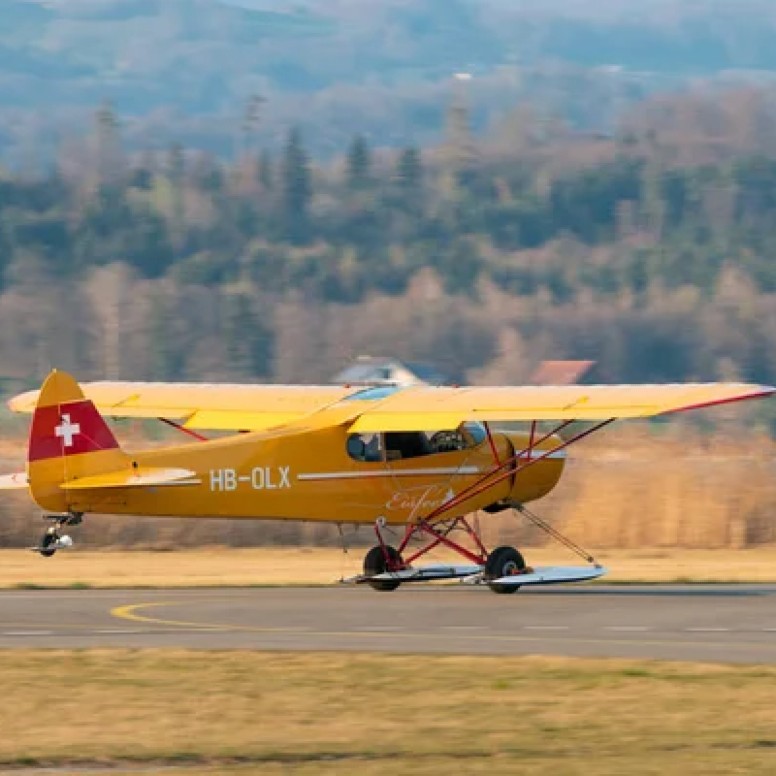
x: 140, y: 477
x: 551, y: 575
x: 16, y: 481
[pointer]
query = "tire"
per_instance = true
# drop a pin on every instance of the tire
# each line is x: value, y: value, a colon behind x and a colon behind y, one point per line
x: 502, y: 562
x: 45, y: 542
x: 374, y: 563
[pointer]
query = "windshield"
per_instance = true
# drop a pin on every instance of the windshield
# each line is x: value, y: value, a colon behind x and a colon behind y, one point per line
x: 373, y: 392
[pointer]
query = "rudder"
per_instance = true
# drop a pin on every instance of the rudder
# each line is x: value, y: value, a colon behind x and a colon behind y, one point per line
x: 69, y: 439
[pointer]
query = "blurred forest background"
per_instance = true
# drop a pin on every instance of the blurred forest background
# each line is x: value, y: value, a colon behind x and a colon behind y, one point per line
x: 197, y: 190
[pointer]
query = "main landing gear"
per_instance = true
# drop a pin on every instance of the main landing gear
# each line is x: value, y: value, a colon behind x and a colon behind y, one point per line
x: 52, y: 540
x: 386, y: 567
x: 503, y: 570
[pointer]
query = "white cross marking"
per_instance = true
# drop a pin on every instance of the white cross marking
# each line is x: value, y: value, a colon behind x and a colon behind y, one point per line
x: 67, y: 430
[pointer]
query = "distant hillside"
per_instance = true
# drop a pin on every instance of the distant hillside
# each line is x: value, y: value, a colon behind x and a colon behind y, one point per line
x: 184, y: 69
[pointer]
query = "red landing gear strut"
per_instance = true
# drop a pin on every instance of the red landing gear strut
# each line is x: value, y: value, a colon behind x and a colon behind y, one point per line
x: 385, y: 566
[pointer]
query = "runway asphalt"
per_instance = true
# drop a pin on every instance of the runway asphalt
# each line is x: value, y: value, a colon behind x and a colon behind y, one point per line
x: 728, y: 623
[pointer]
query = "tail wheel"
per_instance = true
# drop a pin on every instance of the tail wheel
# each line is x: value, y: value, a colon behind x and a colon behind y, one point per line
x: 48, y: 539
x: 503, y: 562
x: 375, y: 563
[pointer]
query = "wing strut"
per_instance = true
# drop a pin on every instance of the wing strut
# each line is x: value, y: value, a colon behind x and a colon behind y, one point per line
x: 185, y: 430
x: 540, y: 522
x: 492, y: 443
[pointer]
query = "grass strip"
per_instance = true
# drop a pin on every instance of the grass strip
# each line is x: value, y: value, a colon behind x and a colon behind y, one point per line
x: 214, y: 712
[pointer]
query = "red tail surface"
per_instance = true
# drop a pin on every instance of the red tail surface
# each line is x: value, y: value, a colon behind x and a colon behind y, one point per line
x: 69, y: 440
x: 69, y: 428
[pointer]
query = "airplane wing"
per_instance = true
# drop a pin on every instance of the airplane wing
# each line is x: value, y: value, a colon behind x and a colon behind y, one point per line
x: 442, y: 408
x: 228, y: 407
x: 387, y: 408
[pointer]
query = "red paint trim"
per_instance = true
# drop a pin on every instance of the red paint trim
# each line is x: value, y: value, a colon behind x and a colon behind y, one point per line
x: 766, y: 392
x: 475, y: 536
x: 389, y: 563
x: 440, y: 534
x: 422, y: 551
x: 188, y: 431
x: 442, y: 538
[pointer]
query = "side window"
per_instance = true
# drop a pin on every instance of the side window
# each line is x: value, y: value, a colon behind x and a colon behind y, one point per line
x: 365, y: 447
x: 406, y: 444
x: 467, y: 435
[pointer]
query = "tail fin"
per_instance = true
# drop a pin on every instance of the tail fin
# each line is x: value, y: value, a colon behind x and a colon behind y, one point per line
x: 69, y: 440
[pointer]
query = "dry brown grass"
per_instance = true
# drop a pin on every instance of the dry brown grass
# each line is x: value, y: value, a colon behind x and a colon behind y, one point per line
x: 637, y: 488
x: 369, y: 714
x: 276, y: 566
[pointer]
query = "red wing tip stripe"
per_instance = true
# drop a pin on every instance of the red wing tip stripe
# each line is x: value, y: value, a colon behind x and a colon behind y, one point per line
x: 763, y: 392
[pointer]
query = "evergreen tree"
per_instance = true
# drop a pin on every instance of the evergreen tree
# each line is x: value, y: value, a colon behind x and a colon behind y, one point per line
x: 407, y: 190
x: 296, y: 185
x: 409, y: 170
x: 176, y: 171
x: 459, y: 149
x: 250, y: 123
x: 359, y: 164
x: 266, y: 171
x: 109, y: 154
x: 249, y: 340
x: 207, y: 174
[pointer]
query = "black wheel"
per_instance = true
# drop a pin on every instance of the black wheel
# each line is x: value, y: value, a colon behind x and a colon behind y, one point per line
x: 45, y: 542
x: 374, y: 563
x: 503, y: 562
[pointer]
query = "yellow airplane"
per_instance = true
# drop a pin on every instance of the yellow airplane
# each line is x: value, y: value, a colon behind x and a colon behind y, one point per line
x: 420, y: 458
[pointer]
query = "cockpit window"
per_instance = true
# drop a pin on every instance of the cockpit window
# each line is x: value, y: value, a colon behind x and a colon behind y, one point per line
x: 365, y: 447
x: 467, y: 435
x: 400, y: 445
x: 407, y: 444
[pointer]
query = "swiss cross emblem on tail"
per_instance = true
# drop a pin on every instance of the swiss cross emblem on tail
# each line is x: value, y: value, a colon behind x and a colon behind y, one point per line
x: 67, y: 430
